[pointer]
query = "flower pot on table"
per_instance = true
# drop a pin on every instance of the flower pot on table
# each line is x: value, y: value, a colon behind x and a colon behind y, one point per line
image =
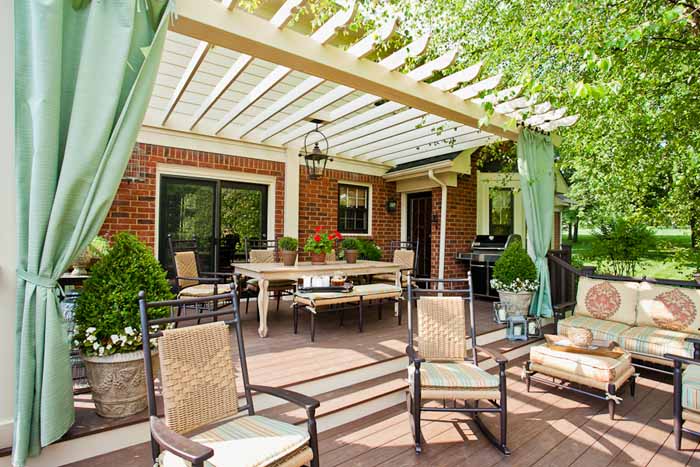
x: 289, y: 258
x: 351, y: 256
x: 318, y: 258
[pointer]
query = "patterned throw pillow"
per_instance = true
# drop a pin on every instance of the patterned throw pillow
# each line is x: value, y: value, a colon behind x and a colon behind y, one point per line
x: 673, y: 308
x: 607, y: 300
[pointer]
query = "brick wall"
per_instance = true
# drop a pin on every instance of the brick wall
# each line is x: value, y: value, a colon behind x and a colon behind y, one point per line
x: 318, y: 205
x: 134, y: 207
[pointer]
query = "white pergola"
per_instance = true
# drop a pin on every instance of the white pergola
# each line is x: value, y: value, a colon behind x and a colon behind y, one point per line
x: 230, y: 74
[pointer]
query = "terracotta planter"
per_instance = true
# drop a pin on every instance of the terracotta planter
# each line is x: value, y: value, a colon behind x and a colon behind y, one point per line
x: 118, y: 383
x: 318, y: 258
x: 516, y: 303
x: 289, y: 258
x: 351, y: 256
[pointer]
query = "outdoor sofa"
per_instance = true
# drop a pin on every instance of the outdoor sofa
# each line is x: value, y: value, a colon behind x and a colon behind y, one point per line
x: 649, y: 318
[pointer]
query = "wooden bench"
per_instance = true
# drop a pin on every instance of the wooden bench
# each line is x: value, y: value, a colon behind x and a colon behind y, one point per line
x: 374, y: 294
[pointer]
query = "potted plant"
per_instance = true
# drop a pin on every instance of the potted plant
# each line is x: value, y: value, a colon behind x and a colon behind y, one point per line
x: 320, y: 244
x: 351, y: 249
x: 108, y: 329
x: 369, y: 250
x: 289, y: 246
x: 515, y: 279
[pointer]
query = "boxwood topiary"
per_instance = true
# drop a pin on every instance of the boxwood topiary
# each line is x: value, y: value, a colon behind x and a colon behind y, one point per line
x: 514, y: 264
x: 107, y: 312
x: 350, y: 244
x: 288, y: 244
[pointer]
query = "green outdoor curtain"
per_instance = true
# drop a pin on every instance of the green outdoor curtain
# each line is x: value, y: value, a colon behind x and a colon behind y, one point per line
x: 536, y: 168
x: 84, y: 74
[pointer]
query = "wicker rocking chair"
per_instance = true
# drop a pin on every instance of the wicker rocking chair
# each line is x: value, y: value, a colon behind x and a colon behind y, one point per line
x: 440, y: 368
x: 204, y: 424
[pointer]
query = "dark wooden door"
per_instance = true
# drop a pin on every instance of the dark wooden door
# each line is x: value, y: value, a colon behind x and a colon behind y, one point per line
x: 420, y: 215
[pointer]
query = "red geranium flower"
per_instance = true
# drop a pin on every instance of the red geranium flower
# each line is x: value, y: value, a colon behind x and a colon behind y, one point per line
x: 339, y: 235
x: 318, y: 228
x: 331, y: 236
x: 317, y: 238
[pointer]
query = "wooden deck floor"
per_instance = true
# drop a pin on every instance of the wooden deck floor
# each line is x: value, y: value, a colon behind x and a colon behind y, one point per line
x: 546, y: 428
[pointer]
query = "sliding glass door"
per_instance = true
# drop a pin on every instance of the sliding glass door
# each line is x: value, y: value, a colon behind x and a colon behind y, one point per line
x: 219, y: 214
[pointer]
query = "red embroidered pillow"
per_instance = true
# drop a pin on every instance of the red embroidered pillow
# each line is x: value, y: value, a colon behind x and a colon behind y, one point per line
x: 607, y: 300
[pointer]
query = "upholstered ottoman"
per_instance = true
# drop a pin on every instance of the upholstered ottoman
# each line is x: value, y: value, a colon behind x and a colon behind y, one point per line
x: 607, y: 374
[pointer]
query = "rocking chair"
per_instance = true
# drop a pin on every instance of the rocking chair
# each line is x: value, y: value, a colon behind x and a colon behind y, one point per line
x: 440, y: 368
x: 204, y: 424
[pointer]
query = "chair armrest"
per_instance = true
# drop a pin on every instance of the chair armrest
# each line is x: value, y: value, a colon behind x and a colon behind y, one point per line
x: 225, y: 275
x: 413, y: 356
x: 290, y: 396
x: 693, y: 340
x: 179, y: 445
x: 203, y: 280
x: 681, y: 359
x: 494, y: 354
x: 561, y: 309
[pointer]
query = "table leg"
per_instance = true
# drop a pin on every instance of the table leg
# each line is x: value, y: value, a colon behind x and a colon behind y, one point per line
x: 263, y: 299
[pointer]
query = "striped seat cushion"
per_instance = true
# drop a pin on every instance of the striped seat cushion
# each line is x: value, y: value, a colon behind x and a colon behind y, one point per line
x: 453, y: 375
x: 655, y: 341
x: 602, y: 369
x: 253, y: 441
x: 375, y: 291
x: 690, y: 397
x: 601, y: 329
x: 204, y: 290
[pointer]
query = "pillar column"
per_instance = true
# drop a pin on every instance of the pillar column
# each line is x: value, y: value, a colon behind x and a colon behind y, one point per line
x: 291, y: 192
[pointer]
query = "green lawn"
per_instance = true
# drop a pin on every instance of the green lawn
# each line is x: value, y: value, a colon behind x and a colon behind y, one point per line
x: 657, y: 263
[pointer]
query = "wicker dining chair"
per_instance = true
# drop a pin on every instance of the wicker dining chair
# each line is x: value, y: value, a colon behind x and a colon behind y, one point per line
x: 267, y: 251
x: 204, y: 424
x: 405, y: 254
x: 441, y: 368
x: 189, y: 280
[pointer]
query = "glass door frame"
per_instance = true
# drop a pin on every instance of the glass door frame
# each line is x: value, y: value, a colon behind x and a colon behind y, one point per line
x: 217, y: 184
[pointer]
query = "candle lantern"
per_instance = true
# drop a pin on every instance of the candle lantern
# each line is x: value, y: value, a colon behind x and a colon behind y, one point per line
x: 517, y: 328
x: 500, y: 313
x: 534, y: 326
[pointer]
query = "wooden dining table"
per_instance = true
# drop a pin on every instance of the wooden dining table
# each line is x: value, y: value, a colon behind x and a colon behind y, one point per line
x: 266, y: 272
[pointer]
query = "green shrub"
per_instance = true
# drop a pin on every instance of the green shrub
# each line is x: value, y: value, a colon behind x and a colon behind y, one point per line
x: 619, y: 245
x: 514, y: 271
x: 350, y: 244
x: 369, y: 250
x: 688, y: 258
x: 107, y: 312
x: 288, y: 244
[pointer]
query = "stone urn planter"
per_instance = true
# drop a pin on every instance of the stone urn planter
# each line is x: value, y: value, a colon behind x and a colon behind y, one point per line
x: 351, y: 256
x: 81, y: 263
x: 118, y: 383
x: 516, y: 303
x: 318, y: 258
x: 289, y: 258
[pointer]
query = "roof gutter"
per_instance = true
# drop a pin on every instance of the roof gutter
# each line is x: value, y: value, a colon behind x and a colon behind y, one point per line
x: 443, y: 222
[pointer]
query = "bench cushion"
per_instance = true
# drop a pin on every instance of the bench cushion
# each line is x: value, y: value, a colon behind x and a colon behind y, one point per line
x: 690, y: 398
x: 204, y: 290
x: 601, y: 329
x: 655, y: 342
x: 608, y: 300
x: 595, y: 367
x: 377, y: 291
x: 672, y: 308
x: 250, y: 442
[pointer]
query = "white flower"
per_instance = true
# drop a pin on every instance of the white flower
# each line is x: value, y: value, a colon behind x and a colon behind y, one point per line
x: 129, y: 330
x: 114, y: 338
x: 76, y: 343
x: 90, y: 330
x: 96, y: 345
x: 102, y: 351
x: 109, y: 346
x: 91, y: 338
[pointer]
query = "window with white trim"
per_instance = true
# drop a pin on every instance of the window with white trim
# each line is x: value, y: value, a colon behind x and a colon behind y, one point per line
x: 353, y: 209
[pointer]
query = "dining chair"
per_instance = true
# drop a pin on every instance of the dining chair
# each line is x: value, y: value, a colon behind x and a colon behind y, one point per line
x: 267, y: 251
x: 405, y: 254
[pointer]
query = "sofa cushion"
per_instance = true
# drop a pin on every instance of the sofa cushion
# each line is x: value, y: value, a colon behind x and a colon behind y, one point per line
x: 601, y: 329
x: 673, y: 308
x: 601, y: 369
x: 655, y: 342
x: 690, y: 397
x: 609, y: 300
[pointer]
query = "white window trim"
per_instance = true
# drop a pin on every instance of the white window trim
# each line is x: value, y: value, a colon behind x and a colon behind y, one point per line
x: 216, y: 174
x: 486, y: 181
x: 370, y: 207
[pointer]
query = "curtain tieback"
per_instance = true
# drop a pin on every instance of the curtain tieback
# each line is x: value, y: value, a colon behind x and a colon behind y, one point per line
x: 39, y: 281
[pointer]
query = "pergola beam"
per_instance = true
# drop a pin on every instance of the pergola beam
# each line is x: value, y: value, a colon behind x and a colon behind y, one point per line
x: 472, y: 141
x: 251, y: 35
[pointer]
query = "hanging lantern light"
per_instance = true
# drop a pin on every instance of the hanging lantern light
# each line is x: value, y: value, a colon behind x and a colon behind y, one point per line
x: 315, y: 158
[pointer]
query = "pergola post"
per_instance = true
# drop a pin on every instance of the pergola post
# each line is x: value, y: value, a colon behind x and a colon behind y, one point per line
x: 8, y: 253
x: 291, y: 192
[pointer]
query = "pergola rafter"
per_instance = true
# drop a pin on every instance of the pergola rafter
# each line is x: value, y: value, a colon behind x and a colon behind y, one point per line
x: 274, y: 80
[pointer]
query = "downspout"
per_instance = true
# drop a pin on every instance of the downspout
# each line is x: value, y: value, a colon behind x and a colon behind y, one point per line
x: 443, y: 222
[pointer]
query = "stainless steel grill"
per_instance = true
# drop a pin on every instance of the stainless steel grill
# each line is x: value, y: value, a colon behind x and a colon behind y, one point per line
x: 485, y: 251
